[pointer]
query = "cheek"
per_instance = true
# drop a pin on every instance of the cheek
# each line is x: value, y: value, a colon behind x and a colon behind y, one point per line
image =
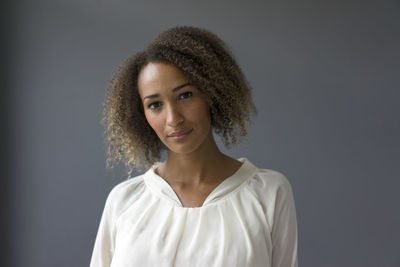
x: 202, y: 111
x: 154, y: 122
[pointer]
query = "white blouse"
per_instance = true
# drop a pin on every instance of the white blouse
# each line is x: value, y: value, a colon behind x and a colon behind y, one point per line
x: 247, y: 220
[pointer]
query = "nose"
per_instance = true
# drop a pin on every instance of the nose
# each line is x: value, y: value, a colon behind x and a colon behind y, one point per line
x: 174, y: 116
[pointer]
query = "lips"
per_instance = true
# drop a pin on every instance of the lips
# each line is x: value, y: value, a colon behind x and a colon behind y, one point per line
x: 179, y: 133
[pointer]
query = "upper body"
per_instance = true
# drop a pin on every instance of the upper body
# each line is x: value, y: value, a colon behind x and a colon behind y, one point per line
x: 199, y: 207
x: 247, y: 220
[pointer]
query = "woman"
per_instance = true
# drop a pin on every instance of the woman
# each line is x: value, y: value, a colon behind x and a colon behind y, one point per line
x: 199, y: 207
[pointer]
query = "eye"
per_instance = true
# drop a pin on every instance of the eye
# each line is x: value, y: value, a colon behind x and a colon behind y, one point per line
x: 185, y: 95
x: 154, y: 105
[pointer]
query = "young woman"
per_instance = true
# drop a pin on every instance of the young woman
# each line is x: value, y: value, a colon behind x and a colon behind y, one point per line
x: 199, y: 207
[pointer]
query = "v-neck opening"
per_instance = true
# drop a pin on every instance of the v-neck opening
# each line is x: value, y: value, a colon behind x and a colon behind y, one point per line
x: 162, y: 188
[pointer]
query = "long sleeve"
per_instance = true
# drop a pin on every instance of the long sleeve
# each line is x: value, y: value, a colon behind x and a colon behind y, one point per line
x: 104, y: 244
x: 284, y: 230
x: 119, y: 199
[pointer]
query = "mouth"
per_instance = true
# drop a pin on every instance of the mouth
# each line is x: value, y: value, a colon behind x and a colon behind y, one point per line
x: 181, y: 134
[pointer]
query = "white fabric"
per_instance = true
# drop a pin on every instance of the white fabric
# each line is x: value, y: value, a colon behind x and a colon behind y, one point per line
x: 248, y: 220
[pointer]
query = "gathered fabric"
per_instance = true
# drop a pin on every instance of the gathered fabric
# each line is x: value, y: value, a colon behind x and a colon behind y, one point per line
x: 247, y: 220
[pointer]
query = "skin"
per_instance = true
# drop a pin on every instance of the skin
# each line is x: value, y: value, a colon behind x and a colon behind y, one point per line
x: 194, y: 166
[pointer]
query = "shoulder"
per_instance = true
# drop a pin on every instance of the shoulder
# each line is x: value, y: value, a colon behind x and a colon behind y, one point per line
x: 274, y: 193
x: 124, y: 194
x: 271, y: 188
x: 265, y: 182
x: 270, y: 180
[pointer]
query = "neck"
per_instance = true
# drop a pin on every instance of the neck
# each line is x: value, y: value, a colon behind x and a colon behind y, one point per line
x: 201, y: 166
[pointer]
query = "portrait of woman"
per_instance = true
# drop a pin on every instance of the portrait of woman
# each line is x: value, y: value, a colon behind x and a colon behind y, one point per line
x: 199, y: 206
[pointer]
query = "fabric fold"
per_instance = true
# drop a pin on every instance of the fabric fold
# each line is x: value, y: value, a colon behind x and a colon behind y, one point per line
x: 164, y: 190
x: 247, y: 220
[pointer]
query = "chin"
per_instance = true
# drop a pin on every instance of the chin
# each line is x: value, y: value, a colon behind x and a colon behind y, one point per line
x: 181, y: 149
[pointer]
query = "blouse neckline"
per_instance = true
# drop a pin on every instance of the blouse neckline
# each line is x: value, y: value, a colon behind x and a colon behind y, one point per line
x: 160, y: 187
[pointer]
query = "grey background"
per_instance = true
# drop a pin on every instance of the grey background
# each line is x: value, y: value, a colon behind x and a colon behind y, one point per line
x: 326, y: 83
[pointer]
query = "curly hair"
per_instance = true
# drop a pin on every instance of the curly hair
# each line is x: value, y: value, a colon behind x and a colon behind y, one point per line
x: 208, y: 64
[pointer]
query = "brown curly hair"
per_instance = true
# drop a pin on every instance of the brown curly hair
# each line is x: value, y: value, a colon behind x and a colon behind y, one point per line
x: 208, y: 64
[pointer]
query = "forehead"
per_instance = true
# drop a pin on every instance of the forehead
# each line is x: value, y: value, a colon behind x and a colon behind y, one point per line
x: 156, y: 75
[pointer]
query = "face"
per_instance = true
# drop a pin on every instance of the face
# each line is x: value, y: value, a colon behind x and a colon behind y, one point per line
x: 175, y: 109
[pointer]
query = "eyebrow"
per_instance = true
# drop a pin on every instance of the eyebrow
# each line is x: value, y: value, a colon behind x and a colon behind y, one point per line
x: 173, y: 90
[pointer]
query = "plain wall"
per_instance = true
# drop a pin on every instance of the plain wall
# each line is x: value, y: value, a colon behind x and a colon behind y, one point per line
x: 325, y: 78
